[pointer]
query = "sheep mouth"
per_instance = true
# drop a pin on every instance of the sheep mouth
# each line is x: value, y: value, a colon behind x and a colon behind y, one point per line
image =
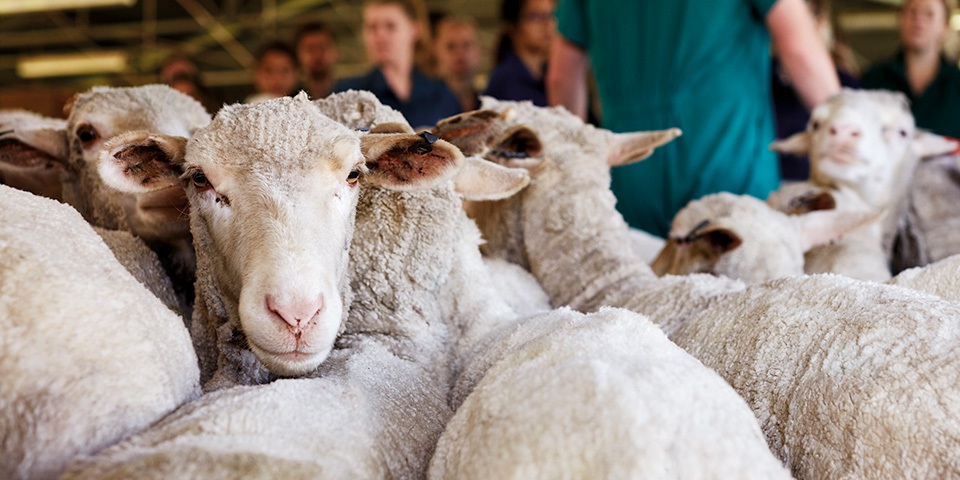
x: 289, y: 364
x: 845, y: 158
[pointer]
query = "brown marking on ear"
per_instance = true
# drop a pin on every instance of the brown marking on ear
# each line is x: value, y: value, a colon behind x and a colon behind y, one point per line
x: 149, y: 164
x: 519, y: 140
x: 472, y: 132
x: 810, y: 202
x: 721, y: 241
x: 21, y: 155
x: 410, y: 160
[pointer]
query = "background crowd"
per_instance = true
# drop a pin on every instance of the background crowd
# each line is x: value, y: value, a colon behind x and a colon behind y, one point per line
x: 733, y: 77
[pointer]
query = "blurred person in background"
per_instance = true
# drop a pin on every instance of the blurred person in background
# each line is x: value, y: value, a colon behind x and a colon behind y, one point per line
x: 318, y: 53
x: 704, y: 68
x: 791, y: 114
x: 393, y: 32
x: 522, y: 51
x: 275, y: 72
x: 920, y: 69
x: 181, y: 73
x: 458, y: 53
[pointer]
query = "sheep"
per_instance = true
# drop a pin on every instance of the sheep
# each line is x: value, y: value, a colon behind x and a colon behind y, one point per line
x: 864, y: 143
x: 928, y: 229
x: 741, y: 237
x: 142, y: 263
x: 374, y: 402
x: 87, y: 355
x: 563, y: 227
x: 158, y: 218
x: 849, y: 379
x: 30, y: 145
x: 940, y: 278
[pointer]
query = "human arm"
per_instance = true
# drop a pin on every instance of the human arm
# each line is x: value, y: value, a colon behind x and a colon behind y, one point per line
x: 802, y: 52
x: 567, y: 76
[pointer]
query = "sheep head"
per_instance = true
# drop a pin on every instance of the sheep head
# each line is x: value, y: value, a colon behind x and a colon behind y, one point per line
x: 273, y: 189
x: 865, y: 140
x: 741, y: 237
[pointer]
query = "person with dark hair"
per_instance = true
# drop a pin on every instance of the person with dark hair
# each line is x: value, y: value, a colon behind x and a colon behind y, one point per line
x: 181, y: 73
x: 522, y: 51
x: 702, y: 68
x: 920, y: 70
x: 393, y: 30
x: 458, y: 52
x: 318, y: 53
x: 275, y: 72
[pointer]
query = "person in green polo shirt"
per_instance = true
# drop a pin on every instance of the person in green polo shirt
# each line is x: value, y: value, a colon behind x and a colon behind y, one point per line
x: 700, y: 66
x: 920, y: 70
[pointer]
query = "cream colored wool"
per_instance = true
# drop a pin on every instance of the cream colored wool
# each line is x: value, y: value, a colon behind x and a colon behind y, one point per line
x: 87, y: 355
x: 604, y: 395
x: 849, y: 379
x: 930, y: 229
x: 568, y: 207
x: 941, y: 278
x: 142, y: 263
x: 376, y: 406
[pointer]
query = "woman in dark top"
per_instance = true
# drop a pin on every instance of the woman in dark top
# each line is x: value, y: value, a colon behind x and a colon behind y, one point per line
x: 522, y: 51
x: 920, y: 70
x: 391, y: 31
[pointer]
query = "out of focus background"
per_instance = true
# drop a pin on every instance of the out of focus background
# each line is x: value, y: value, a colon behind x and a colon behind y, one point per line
x: 50, y: 49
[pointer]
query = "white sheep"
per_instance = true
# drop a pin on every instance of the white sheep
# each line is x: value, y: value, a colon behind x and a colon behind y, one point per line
x: 87, y: 355
x: 741, y: 237
x: 30, y: 146
x: 377, y: 400
x: 928, y: 231
x: 158, y: 218
x: 865, y: 144
x: 563, y: 227
x: 940, y: 278
x: 849, y: 379
x: 142, y: 263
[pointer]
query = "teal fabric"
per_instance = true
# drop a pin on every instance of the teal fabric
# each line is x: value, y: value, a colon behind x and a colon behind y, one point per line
x: 936, y: 109
x: 701, y: 66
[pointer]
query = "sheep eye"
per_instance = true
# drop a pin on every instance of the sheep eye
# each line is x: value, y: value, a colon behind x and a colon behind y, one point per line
x: 87, y: 134
x: 815, y: 125
x: 903, y: 133
x: 200, y: 180
x: 353, y: 176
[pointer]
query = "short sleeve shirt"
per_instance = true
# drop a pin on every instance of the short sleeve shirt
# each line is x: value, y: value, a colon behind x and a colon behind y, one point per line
x: 702, y: 67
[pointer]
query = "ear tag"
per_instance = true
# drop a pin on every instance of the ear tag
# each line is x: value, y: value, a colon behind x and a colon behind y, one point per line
x: 429, y: 137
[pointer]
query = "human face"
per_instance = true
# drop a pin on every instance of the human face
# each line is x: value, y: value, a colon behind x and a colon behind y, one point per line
x: 457, y: 49
x: 923, y: 25
x: 317, y: 54
x: 536, y: 27
x: 276, y: 74
x: 389, y: 35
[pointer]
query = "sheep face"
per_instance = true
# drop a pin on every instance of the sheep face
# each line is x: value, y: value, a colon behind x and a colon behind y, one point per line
x: 741, y: 237
x: 31, y: 147
x: 102, y: 113
x: 273, y: 189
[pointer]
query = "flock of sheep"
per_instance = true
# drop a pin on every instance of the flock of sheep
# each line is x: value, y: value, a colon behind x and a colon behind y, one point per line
x: 310, y: 289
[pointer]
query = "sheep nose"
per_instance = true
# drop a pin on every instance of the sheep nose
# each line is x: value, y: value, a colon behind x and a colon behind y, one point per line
x: 297, y: 311
x: 844, y: 131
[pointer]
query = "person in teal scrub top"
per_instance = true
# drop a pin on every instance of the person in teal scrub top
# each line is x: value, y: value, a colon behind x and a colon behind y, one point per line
x: 702, y: 67
x: 920, y: 70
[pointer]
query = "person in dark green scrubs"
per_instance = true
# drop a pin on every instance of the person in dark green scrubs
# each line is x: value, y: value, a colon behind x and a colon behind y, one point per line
x: 702, y: 67
x: 920, y: 70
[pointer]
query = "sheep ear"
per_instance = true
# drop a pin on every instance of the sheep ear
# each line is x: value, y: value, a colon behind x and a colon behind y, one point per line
x: 409, y: 162
x: 927, y: 145
x: 519, y: 142
x: 471, y: 131
x: 628, y: 148
x: 796, y: 144
x: 480, y: 180
x: 665, y: 259
x: 811, y: 202
x: 33, y: 160
x: 392, y: 127
x: 719, y: 241
x: 139, y: 161
x: 823, y: 227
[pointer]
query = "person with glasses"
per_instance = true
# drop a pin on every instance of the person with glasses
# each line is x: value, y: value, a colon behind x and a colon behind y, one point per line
x: 522, y: 51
